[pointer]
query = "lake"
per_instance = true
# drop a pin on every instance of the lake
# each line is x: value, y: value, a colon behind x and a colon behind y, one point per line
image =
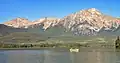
x: 60, y: 56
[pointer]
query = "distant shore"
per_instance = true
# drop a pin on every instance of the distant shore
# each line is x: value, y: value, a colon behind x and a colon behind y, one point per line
x: 23, y: 48
x: 42, y: 48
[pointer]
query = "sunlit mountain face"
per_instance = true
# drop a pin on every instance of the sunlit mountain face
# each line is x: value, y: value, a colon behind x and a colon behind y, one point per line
x: 85, y: 22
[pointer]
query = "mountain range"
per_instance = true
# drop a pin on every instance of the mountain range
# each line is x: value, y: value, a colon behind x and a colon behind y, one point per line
x: 85, y: 22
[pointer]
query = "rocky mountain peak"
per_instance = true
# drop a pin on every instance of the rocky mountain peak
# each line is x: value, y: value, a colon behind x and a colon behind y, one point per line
x: 21, y: 19
x: 89, y: 12
x: 93, y: 10
x: 18, y: 22
x: 89, y: 21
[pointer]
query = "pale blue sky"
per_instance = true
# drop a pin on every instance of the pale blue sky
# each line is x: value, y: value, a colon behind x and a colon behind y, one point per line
x: 35, y: 9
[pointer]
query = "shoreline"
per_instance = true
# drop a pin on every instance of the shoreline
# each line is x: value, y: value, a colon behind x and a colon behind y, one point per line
x: 29, y: 48
x: 23, y: 48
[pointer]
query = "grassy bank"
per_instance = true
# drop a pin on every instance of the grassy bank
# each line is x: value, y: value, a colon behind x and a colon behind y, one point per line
x: 37, y: 46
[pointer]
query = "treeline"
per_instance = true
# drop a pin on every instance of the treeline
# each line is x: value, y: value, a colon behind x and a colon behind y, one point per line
x: 117, y: 43
x: 53, y: 45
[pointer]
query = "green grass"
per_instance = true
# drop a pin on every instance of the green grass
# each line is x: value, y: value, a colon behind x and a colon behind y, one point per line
x: 23, y: 37
x: 35, y: 37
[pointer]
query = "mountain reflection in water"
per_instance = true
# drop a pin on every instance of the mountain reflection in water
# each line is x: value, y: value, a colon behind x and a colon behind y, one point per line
x: 60, y: 56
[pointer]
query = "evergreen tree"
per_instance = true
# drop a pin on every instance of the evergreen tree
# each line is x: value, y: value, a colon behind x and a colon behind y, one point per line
x: 117, y: 42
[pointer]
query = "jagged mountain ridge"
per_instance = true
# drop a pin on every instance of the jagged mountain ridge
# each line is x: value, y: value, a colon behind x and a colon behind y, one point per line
x: 85, y: 22
x: 89, y: 21
x: 46, y: 22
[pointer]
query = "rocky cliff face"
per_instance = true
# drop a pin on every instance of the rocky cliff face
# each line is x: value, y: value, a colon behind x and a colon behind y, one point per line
x: 46, y: 22
x: 89, y: 21
x: 85, y: 22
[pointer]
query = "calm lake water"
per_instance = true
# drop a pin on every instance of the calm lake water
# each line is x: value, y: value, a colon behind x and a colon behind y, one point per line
x: 60, y: 56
